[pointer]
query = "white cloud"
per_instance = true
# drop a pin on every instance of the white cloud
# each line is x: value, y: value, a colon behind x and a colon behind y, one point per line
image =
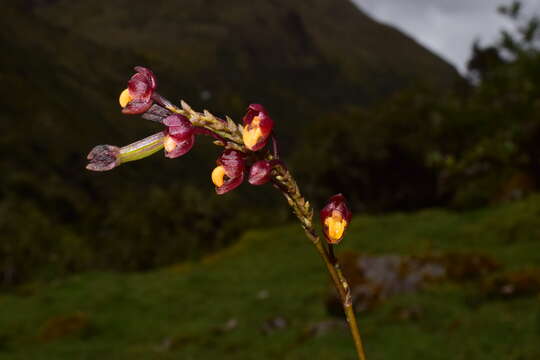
x: 447, y: 27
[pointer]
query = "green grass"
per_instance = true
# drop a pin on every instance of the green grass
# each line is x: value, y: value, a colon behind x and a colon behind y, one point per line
x: 179, y: 312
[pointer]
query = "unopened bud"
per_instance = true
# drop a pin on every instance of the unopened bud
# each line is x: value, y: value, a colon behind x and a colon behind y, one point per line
x: 103, y: 158
x: 260, y: 173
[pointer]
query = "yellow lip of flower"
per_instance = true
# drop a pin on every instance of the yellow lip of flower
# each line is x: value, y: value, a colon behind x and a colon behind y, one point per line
x: 169, y: 143
x: 218, y: 176
x: 252, y: 133
x: 124, y: 98
x: 335, y: 225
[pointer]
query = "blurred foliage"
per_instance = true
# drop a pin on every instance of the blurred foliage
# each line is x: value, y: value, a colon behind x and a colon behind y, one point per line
x: 375, y: 156
x: 140, y: 230
x: 500, y: 158
x: 474, y: 146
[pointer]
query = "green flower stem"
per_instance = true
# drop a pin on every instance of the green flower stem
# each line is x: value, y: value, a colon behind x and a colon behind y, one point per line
x: 303, y: 211
x: 142, y: 148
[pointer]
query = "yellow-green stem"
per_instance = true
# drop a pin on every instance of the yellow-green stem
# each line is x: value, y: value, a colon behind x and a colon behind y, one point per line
x: 302, y: 209
x: 282, y: 178
x: 142, y: 148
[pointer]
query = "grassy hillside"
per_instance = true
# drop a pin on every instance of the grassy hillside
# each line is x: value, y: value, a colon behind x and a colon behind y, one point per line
x: 263, y: 299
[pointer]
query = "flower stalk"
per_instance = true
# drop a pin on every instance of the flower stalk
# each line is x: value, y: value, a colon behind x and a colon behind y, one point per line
x: 245, y: 153
x: 285, y: 182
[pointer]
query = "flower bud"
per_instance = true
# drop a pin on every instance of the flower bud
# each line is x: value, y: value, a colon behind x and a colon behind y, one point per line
x: 260, y: 173
x: 103, y: 158
x: 229, y: 172
x: 257, y: 127
x: 137, y: 98
x: 335, y: 218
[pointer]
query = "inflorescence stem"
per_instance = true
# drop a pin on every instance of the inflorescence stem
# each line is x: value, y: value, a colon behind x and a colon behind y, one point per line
x: 240, y: 141
x: 303, y: 211
x: 284, y: 181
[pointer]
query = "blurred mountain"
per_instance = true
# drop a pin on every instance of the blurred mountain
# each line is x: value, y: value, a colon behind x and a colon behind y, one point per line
x: 298, y: 58
x: 64, y: 63
x: 289, y: 55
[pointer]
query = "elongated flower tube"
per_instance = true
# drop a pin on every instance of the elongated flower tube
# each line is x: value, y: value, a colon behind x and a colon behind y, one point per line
x: 229, y: 172
x: 177, y: 139
x: 260, y: 172
x: 180, y: 136
x: 137, y: 97
x: 335, y: 218
x: 107, y: 157
x: 257, y: 127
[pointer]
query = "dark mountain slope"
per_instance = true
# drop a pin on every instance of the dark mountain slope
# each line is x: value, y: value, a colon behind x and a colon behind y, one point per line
x: 326, y: 51
x: 64, y: 63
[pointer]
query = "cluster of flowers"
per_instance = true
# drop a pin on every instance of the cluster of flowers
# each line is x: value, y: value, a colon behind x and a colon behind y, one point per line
x: 178, y: 138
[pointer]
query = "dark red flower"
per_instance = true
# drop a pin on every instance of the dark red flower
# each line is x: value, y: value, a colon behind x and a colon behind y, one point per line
x: 180, y: 136
x: 260, y: 172
x: 229, y: 173
x: 257, y: 127
x: 335, y: 218
x: 137, y: 98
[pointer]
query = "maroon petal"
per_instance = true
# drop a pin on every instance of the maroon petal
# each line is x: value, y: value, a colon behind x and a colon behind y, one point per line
x: 175, y: 120
x: 257, y: 108
x: 137, y: 106
x: 230, y: 184
x: 149, y: 75
x: 266, y: 124
x: 336, y: 202
x: 252, y: 111
x: 233, y: 162
x: 139, y: 88
x: 260, y: 173
x: 182, y: 147
x: 179, y: 126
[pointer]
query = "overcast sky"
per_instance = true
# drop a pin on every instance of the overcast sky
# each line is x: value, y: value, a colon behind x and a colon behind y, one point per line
x: 447, y: 27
